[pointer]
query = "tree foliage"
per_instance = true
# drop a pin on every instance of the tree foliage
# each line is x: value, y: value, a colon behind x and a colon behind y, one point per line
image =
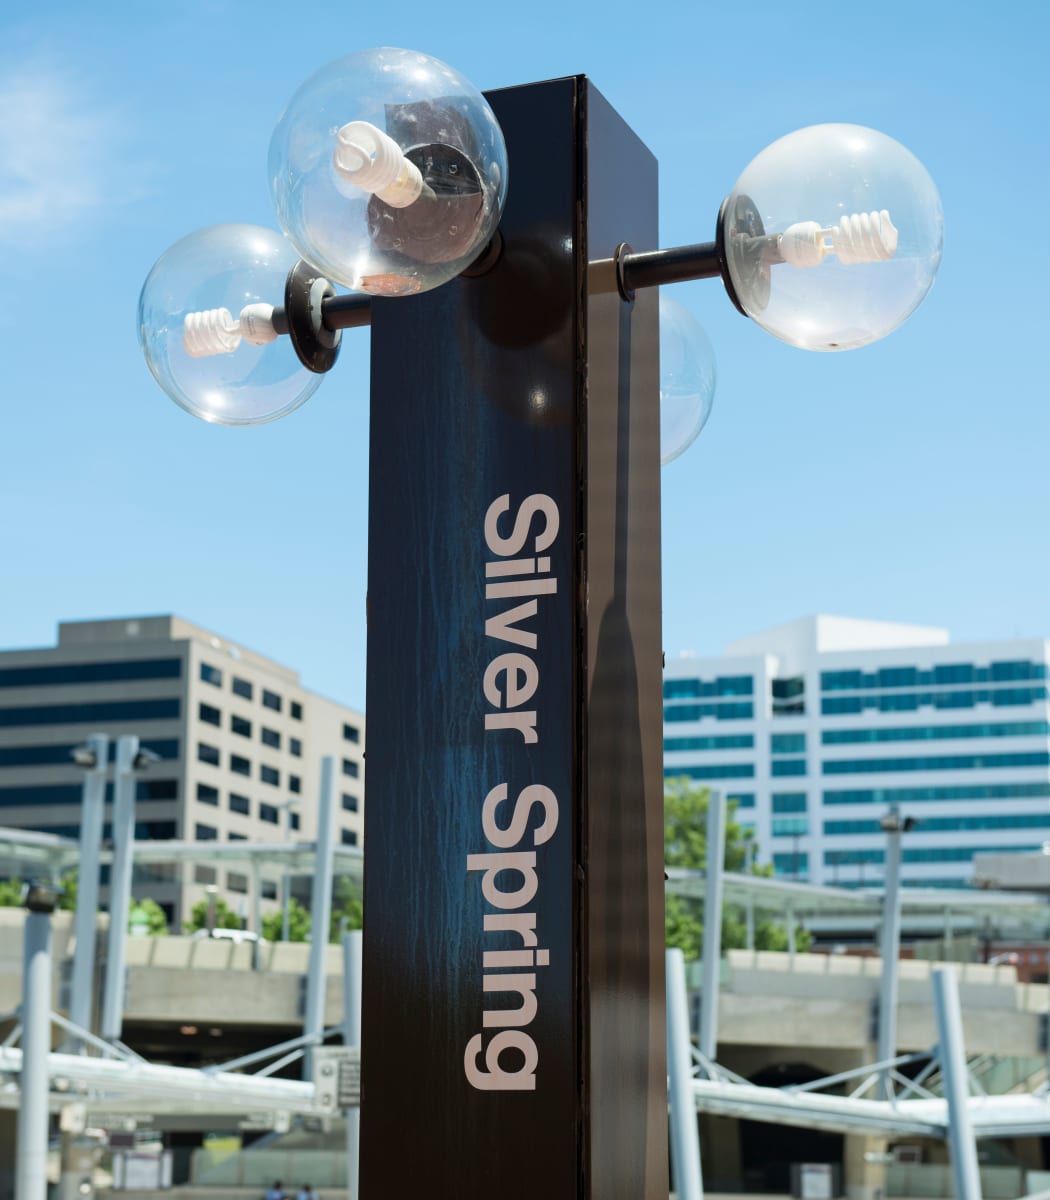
x: 685, y: 845
x: 225, y: 917
x: 298, y: 923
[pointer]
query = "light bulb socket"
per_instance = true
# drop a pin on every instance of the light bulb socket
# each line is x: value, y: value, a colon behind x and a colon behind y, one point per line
x: 740, y: 221
x: 305, y: 292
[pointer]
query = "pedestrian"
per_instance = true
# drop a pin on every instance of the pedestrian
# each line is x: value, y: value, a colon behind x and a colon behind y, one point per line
x: 307, y: 1193
x: 277, y: 1192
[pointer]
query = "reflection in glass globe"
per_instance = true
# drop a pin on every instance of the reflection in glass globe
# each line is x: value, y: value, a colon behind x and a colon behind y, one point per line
x: 832, y: 236
x: 687, y: 378
x: 388, y: 172
x: 205, y: 326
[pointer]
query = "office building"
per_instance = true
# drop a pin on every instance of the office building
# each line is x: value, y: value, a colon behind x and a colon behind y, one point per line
x: 817, y: 727
x: 239, y: 739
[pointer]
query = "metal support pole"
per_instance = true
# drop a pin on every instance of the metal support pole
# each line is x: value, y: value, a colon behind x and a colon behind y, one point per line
x: 890, y: 949
x: 685, y: 1138
x: 791, y: 930
x: 965, y: 1171
x: 92, y: 806
x: 352, y: 1037
x: 256, y: 910
x: 33, y: 1116
x: 120, y: 885
x: 716, y: 849
x: 320, y: 910
x: 286, y: 882
x: 949, y: 944
x: 749, y: 912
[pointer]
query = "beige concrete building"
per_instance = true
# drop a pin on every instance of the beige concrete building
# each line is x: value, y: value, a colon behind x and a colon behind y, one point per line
x: 240, y: 743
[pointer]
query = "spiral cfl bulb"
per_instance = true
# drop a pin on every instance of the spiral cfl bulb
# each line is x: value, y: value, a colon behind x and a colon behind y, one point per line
x: 214, y: 331
x: 860, y: 238
x: 371, y: 160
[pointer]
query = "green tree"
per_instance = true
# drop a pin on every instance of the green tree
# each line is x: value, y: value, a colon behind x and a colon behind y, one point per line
x: 11, y: 893
x: 225, y: 917
x: 685, y: 845
x: 346, y: 902
x: 157, y: 922
x: 298, y: 923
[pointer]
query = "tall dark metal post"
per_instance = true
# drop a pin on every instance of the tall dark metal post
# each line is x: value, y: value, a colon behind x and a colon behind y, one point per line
x: 513, y: 963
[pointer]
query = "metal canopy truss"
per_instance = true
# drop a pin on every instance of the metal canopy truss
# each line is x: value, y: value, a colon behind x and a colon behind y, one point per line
x: 122, y: 1084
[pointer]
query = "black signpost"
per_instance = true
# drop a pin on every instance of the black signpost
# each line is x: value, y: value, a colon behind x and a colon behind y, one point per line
x: 513, y: 964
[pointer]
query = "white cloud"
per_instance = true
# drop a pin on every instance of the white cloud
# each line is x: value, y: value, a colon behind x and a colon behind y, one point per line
x: 61, y: 160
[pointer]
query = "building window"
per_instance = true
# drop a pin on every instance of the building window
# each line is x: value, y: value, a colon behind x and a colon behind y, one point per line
x: 240, y: 804
x: 296, y: 709
x: 241, y: 727
x: 295, y: 748
x: 726, y: 771
x: 295, y: 784
x: 351, y: 733
x: 787, y: 743
x: 728, y: 741
x: 206, y: 794
x: 351, y: 768
x: 348, y: 837
x: 239, y: 765
x: 794, y: 865
x: 788, y: 766
x: 241, y: 687
x: 205, y: 833
x: 293, y: 824
x: 268, y: 813
x: 82, y: 714
x: 270, y: 737
x: 938, y: 762
x: 350, y: 803
x: 270, y: 775
x: 207, y: 754
x: 205, y: 875
x: 236, y: 882
x: 209, y: 715
x: 271, y: 700
x: 790, y: 826
x: 212, y: 675
x: 96, y: 672
x: 268, y: 889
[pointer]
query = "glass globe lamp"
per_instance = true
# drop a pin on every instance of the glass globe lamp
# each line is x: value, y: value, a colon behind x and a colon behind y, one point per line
x: 687, y: 378
x: 831, y: 237
x: 388, y: 172
x: 208, y: 317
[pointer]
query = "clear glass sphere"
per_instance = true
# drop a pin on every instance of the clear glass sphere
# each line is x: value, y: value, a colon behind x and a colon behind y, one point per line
x: 687, y: 378
x: 388, y: 172
x: 833, y: 236
x: 236, y: 382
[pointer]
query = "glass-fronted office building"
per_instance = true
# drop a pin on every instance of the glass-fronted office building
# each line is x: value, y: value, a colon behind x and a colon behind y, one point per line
x: 239, y: 742
x: 817, y: 727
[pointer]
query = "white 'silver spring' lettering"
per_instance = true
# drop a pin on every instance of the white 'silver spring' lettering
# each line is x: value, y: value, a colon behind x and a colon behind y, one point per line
x: 510, y: 682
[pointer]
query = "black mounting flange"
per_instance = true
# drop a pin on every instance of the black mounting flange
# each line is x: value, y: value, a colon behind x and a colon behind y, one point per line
x: 305, y: 292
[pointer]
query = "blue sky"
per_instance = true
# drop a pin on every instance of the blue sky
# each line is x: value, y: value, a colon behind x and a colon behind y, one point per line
x: 905, y: 481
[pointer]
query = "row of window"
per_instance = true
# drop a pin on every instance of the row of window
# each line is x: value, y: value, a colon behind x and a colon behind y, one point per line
x: 241, y: 726
x: 789, y: 802
x: 795, y: 864
x: 236, y: 881
x: 949, y: 824
x: 246, y: 690
x: 720, y: 712
x: 912, y: 701
x: 94, y: 713
x: 240, y: 765
x: 145, y: 831
x: 790, y: 826
x: 71, y: 793
x: 728, y: 741
x: 936, y: 733
x: 937, y: 762
x: 978, y: 791
x: 62, y: 755
x: 93, y: 672
x: 699, y: 689
x: 953, y: 673
x: 728, y: 771
x: 238, y: 803
x: 919, y: 854
x: 208, y: 833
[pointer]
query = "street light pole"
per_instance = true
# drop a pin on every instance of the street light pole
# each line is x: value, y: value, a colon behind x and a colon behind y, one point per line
x: 893, y: 825
x: 712, y: 954
x: 320, y: 910
x: 95, y: 757
x: 286, y: 881
x: 120, y: 885
x: 33, y: 1114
